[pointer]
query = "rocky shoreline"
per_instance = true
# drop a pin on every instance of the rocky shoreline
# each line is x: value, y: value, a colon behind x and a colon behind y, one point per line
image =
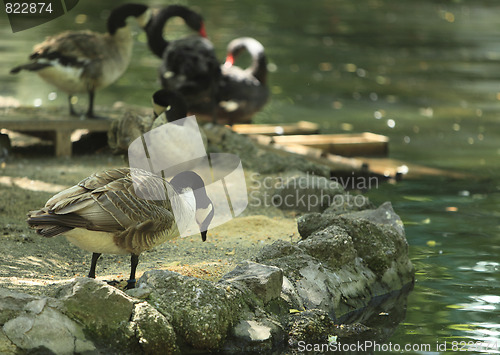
x: 344, y: 278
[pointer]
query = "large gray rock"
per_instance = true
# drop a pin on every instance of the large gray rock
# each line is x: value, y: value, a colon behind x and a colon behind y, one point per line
x: 307, y: 193
x: 263, y: 280
x: 87, y: 316
x: 345, y: 260
x: 200, y: 311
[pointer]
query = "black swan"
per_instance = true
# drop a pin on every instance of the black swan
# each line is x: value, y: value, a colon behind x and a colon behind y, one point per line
x: 243, y: 92
x: 189, y: 65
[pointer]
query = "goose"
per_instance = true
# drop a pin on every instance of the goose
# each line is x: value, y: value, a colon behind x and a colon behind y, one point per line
x: 189, y: 65
x: 131, y: 125
x: 124, y: 211
x: 85, y: 61
x: 243, y: 92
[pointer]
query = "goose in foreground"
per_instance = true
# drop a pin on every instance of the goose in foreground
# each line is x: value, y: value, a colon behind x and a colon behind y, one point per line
x: 243, y: 92
x: 189, y: 65
x: 107, y: 213
x: 85, y: 61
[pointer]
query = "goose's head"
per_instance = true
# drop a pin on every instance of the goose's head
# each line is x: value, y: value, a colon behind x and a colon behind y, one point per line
x: 170, y: 103
x: 204, y: 209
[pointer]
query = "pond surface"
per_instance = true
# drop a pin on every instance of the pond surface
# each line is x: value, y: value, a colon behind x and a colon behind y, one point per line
x: 425, y: 73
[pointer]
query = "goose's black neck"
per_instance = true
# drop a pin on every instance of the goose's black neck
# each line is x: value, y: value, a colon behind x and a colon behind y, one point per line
x: 171, y: 103
x: 156, y: 42
x: 190, y: 179
x: 117, y: 18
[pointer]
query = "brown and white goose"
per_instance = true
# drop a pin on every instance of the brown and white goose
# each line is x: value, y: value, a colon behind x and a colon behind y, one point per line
x: 84, y: 61
x: 124, y: 211
x: 243, y: 92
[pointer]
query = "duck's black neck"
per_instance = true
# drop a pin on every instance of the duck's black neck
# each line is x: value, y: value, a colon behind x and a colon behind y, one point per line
x: 157, y: 43
x: 117, y: 18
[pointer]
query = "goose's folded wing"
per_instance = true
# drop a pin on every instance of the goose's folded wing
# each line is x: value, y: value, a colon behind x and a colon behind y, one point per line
x: 70, y: 48
x: 109, y: 202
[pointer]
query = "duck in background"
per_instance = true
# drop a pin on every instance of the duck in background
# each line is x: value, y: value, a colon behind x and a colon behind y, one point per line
x: 243, y: 92
x: 85, y: 61
x: 189, y: 65
x: 105, y: 213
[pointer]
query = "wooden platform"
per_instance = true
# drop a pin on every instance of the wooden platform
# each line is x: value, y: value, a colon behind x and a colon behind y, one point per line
x: 52, y: 124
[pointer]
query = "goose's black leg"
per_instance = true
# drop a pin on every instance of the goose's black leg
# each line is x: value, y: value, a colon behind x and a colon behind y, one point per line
x: 90, y: 111
x: 93, y: 264
x: 134, y: 261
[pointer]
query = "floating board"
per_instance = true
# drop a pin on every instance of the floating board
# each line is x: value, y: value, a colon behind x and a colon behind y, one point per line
x: 384, y: 168
x: 301, y: 127
x: 348, y: 145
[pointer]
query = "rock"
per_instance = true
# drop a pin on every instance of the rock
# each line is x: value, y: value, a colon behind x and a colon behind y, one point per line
x: 252, y: 331
x: 345, y: 203
x: 263, y: 280
x: 115, y: 321
x: 309, y: 327
x: 200, y: 311
x: 37, y: 323
x: 307, y: 193
x: 383, y: 215
x: 101, y: 309
x: 345, y: 260
x: 289, y: 294
x: 155, y: 334
x: 332, y: 246
x: 126, y: 129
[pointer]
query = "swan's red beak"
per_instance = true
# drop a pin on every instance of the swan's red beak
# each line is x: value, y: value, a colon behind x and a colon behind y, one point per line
x: 202, y: 31
x: 229, y: 61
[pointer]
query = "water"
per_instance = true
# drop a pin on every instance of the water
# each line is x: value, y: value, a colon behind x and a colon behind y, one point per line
x: 425, y: 73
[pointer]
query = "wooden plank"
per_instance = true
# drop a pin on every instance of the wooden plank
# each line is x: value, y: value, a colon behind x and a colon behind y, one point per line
x: 301, y: 127
x: 382, y: 167
x: 62, y: 142
x: 335, y: 162
x: 349, y: 145
x: 37, y: 125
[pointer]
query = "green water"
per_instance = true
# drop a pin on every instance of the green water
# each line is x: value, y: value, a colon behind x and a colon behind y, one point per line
x: 425, y: 73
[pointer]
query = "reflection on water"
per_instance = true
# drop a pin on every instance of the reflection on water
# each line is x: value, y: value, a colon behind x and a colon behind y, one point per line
x: 425, y: 73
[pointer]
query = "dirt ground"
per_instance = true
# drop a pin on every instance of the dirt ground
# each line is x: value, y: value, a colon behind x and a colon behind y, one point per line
x: 37, y: 265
